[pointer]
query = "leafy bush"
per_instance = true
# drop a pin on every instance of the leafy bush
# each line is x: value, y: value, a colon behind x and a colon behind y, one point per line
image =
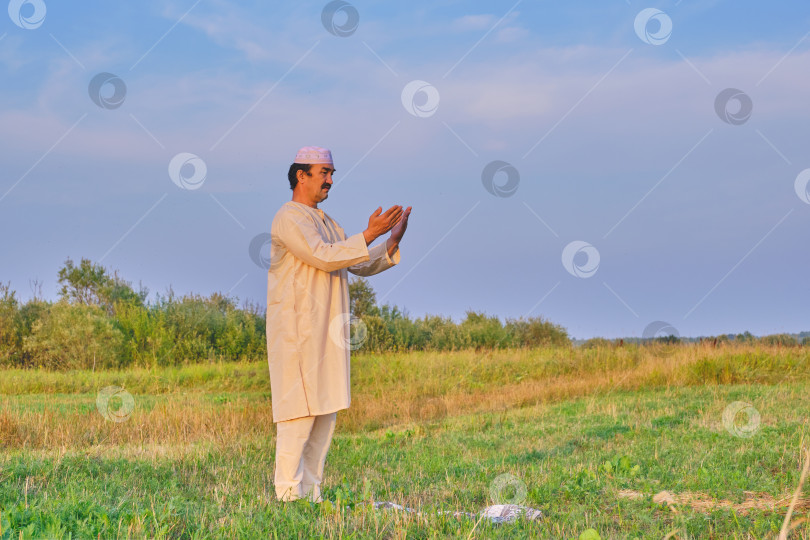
x: 69, y: 336
x: 536, y: 332
x: 10, y: 327
x: 784, y: 340
x: 147, y: 339
x: 377, y: 337
x: 390, y: 329
x: 480, y: 331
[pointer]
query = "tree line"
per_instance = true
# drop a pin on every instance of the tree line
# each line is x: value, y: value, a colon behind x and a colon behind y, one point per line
x: 101, y: 322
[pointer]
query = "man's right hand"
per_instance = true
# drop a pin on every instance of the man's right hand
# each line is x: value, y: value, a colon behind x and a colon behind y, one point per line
x: 380, y: 223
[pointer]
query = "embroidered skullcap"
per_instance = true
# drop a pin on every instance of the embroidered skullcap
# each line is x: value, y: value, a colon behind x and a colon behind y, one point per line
x: 313, y: 154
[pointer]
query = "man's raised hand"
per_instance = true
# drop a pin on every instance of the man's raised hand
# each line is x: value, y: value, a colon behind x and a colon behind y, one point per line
x: 399, y: 229
x: 380, y: 223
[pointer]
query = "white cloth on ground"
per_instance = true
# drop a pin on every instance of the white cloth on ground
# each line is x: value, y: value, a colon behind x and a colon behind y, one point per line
x: 497, y: 513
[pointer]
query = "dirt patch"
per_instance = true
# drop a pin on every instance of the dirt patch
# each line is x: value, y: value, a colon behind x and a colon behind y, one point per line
x: 705, y: 503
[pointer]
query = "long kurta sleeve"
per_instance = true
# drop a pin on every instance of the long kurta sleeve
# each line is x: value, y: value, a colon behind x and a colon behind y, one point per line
x: 300, y: 236
x: 377, y: 262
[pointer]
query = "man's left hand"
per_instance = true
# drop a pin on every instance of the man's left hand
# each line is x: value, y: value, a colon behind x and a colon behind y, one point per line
x: 397, y: 232
x: 399, y: 229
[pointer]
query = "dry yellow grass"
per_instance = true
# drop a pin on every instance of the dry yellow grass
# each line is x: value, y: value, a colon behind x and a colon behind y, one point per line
x: 399, y: 389
x: 706, y: 503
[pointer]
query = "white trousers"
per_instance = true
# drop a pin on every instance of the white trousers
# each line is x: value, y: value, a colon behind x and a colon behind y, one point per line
x: 301, y: 447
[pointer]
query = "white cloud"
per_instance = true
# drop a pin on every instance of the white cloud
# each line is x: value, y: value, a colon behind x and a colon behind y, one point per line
x: 473, y: 22
x: 231, y: 26
x: 493, y: 104
x: 511, y: 34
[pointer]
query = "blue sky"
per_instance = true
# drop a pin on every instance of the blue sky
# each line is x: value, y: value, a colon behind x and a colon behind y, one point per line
x: 613, y: 137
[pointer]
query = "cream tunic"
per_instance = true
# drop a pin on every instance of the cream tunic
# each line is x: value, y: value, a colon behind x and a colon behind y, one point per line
x: 308, y: 309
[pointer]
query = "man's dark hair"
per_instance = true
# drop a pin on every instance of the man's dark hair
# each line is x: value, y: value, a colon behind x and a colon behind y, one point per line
x: 292, y: 176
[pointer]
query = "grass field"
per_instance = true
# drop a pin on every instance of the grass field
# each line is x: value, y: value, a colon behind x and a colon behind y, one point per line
x: 629, y: 441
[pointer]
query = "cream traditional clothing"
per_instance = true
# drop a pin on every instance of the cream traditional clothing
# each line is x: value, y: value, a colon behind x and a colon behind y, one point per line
x: 301, y: 448
x: 308, y: 309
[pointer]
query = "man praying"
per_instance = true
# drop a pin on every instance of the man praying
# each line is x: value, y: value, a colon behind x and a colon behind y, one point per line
x: 308, y: 317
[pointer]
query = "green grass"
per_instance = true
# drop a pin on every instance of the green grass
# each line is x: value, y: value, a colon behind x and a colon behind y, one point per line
x: 573, y: 456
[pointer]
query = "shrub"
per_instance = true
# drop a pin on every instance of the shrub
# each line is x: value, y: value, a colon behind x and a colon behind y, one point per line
x: 479, y: 331
x: 10, y: 327
x: 147, y: 340
x: 378, y: 338
x: 75, y: 336
x: 536, y: 332
x: 784, y: 340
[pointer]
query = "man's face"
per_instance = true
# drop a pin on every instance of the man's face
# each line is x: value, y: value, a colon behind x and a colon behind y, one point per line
x: 317, y: 182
